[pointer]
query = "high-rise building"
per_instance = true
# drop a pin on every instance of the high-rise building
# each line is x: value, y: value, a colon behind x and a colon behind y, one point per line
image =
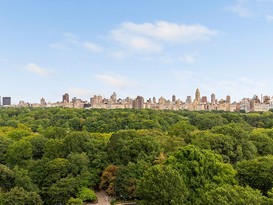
x: 154, y: 100
x: 197, y: 95
x: 42, y: 101
x: 161, y: 100
x: 139, y: 102
x: 188, y: 100
x: 6, y: 101
x: 266, y: 99
x: 228, y: 100
x: 212, y: 98
x: 204, y: 99
x: 114, y: 97
x: 173, y: 98
x: 66, y: 98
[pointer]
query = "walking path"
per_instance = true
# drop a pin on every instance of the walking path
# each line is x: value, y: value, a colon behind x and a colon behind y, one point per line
x: 103, y: 198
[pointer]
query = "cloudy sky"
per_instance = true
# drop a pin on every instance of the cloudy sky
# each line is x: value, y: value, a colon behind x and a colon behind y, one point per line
x: 149, y: 48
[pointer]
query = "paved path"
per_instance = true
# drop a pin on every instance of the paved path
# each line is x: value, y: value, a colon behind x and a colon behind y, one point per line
x: 103, y: 198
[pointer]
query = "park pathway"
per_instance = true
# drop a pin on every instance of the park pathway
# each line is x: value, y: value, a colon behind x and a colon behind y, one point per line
x: 103, y: 198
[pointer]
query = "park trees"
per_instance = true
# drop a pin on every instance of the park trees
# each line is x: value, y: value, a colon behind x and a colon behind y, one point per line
x: 201, y: 170
x: 256, y: 173
x: 162, y: 184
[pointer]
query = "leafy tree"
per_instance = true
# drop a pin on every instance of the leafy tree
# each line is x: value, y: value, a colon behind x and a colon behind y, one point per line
x: 54, y: 171
x: 78, y: 163
x: 19, y: 196
x: 257, y: 173
x: 162, y: 185
x: 55, y: 133
x: 131, y: 146
x: 22, y: 179
x: 207, y: 121
x: 54, y: 148
x: 61, y: 191
x: 18, y: 152
x: 262, y: 141
x: 38, y: 146
x: 73, y: 201
x: 127, y: 178
x: 6, y: 177
x: 87, y: 195
x: 76, y: 123
x: 76, y: 142
x: 243, y: 147
x: 201, y: 170
x: 182, y: 129
x: 108, y: 180
x: 236, y: 195
x: 4, y: 144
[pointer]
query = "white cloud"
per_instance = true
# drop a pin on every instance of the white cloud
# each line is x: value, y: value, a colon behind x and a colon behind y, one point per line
x: 80, y: 93
x: 34, y: 68
x: 240, y: 10
x: 253, y: 83
x: 184, y: 75
x: 118, y: 54
x: 253, y: 8
x: 166, y: 31
x: 71, y: 40
x: 151, y: 37
x: 269, y: 18
x: 187, y: 58
x: 170, y: 59
x: 238, y: 88
x: 117, y: 81
x: 93, y: 47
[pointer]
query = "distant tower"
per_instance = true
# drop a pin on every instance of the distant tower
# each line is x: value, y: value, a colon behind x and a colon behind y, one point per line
x: 154, y: 100
x: 212, y: 98
x: 42, y: 101
x: 228, y: 100
x: 161, y: 100
x: 6, y: 101
x: 197, y: 95
x: 114, y: 97
x: 173, y: 98
x: 188, y: 100
x: 204, y: 99
x: 139, y: 102
x: 66, y: 98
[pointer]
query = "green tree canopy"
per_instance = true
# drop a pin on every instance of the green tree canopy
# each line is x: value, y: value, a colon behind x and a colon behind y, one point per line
x: 256, y: 173
x: 162, y: 184
x: 201, y: 170
x: 235, y: 195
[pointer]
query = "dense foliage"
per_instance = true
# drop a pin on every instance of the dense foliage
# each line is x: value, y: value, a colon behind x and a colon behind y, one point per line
x: 61, y: 156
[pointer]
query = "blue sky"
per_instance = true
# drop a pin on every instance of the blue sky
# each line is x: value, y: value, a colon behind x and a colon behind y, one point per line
x: 149, y: 48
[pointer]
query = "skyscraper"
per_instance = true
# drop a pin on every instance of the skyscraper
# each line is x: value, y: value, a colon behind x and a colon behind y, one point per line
x: 139, y: 102
x: 197, y: 95
x: 204, y: 99
x: 212, y: 98
x: 6, y: 101
x: 173, y: 98
x: 188, y: 100
x: 66, y: 98
x: 114, y: 97
x: 228, y: 100
x: 42, y: 101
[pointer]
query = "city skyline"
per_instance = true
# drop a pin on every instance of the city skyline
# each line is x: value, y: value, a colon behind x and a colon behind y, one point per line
x: 198, y: 103
x: 135, y: 48
x: 197, y: 96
